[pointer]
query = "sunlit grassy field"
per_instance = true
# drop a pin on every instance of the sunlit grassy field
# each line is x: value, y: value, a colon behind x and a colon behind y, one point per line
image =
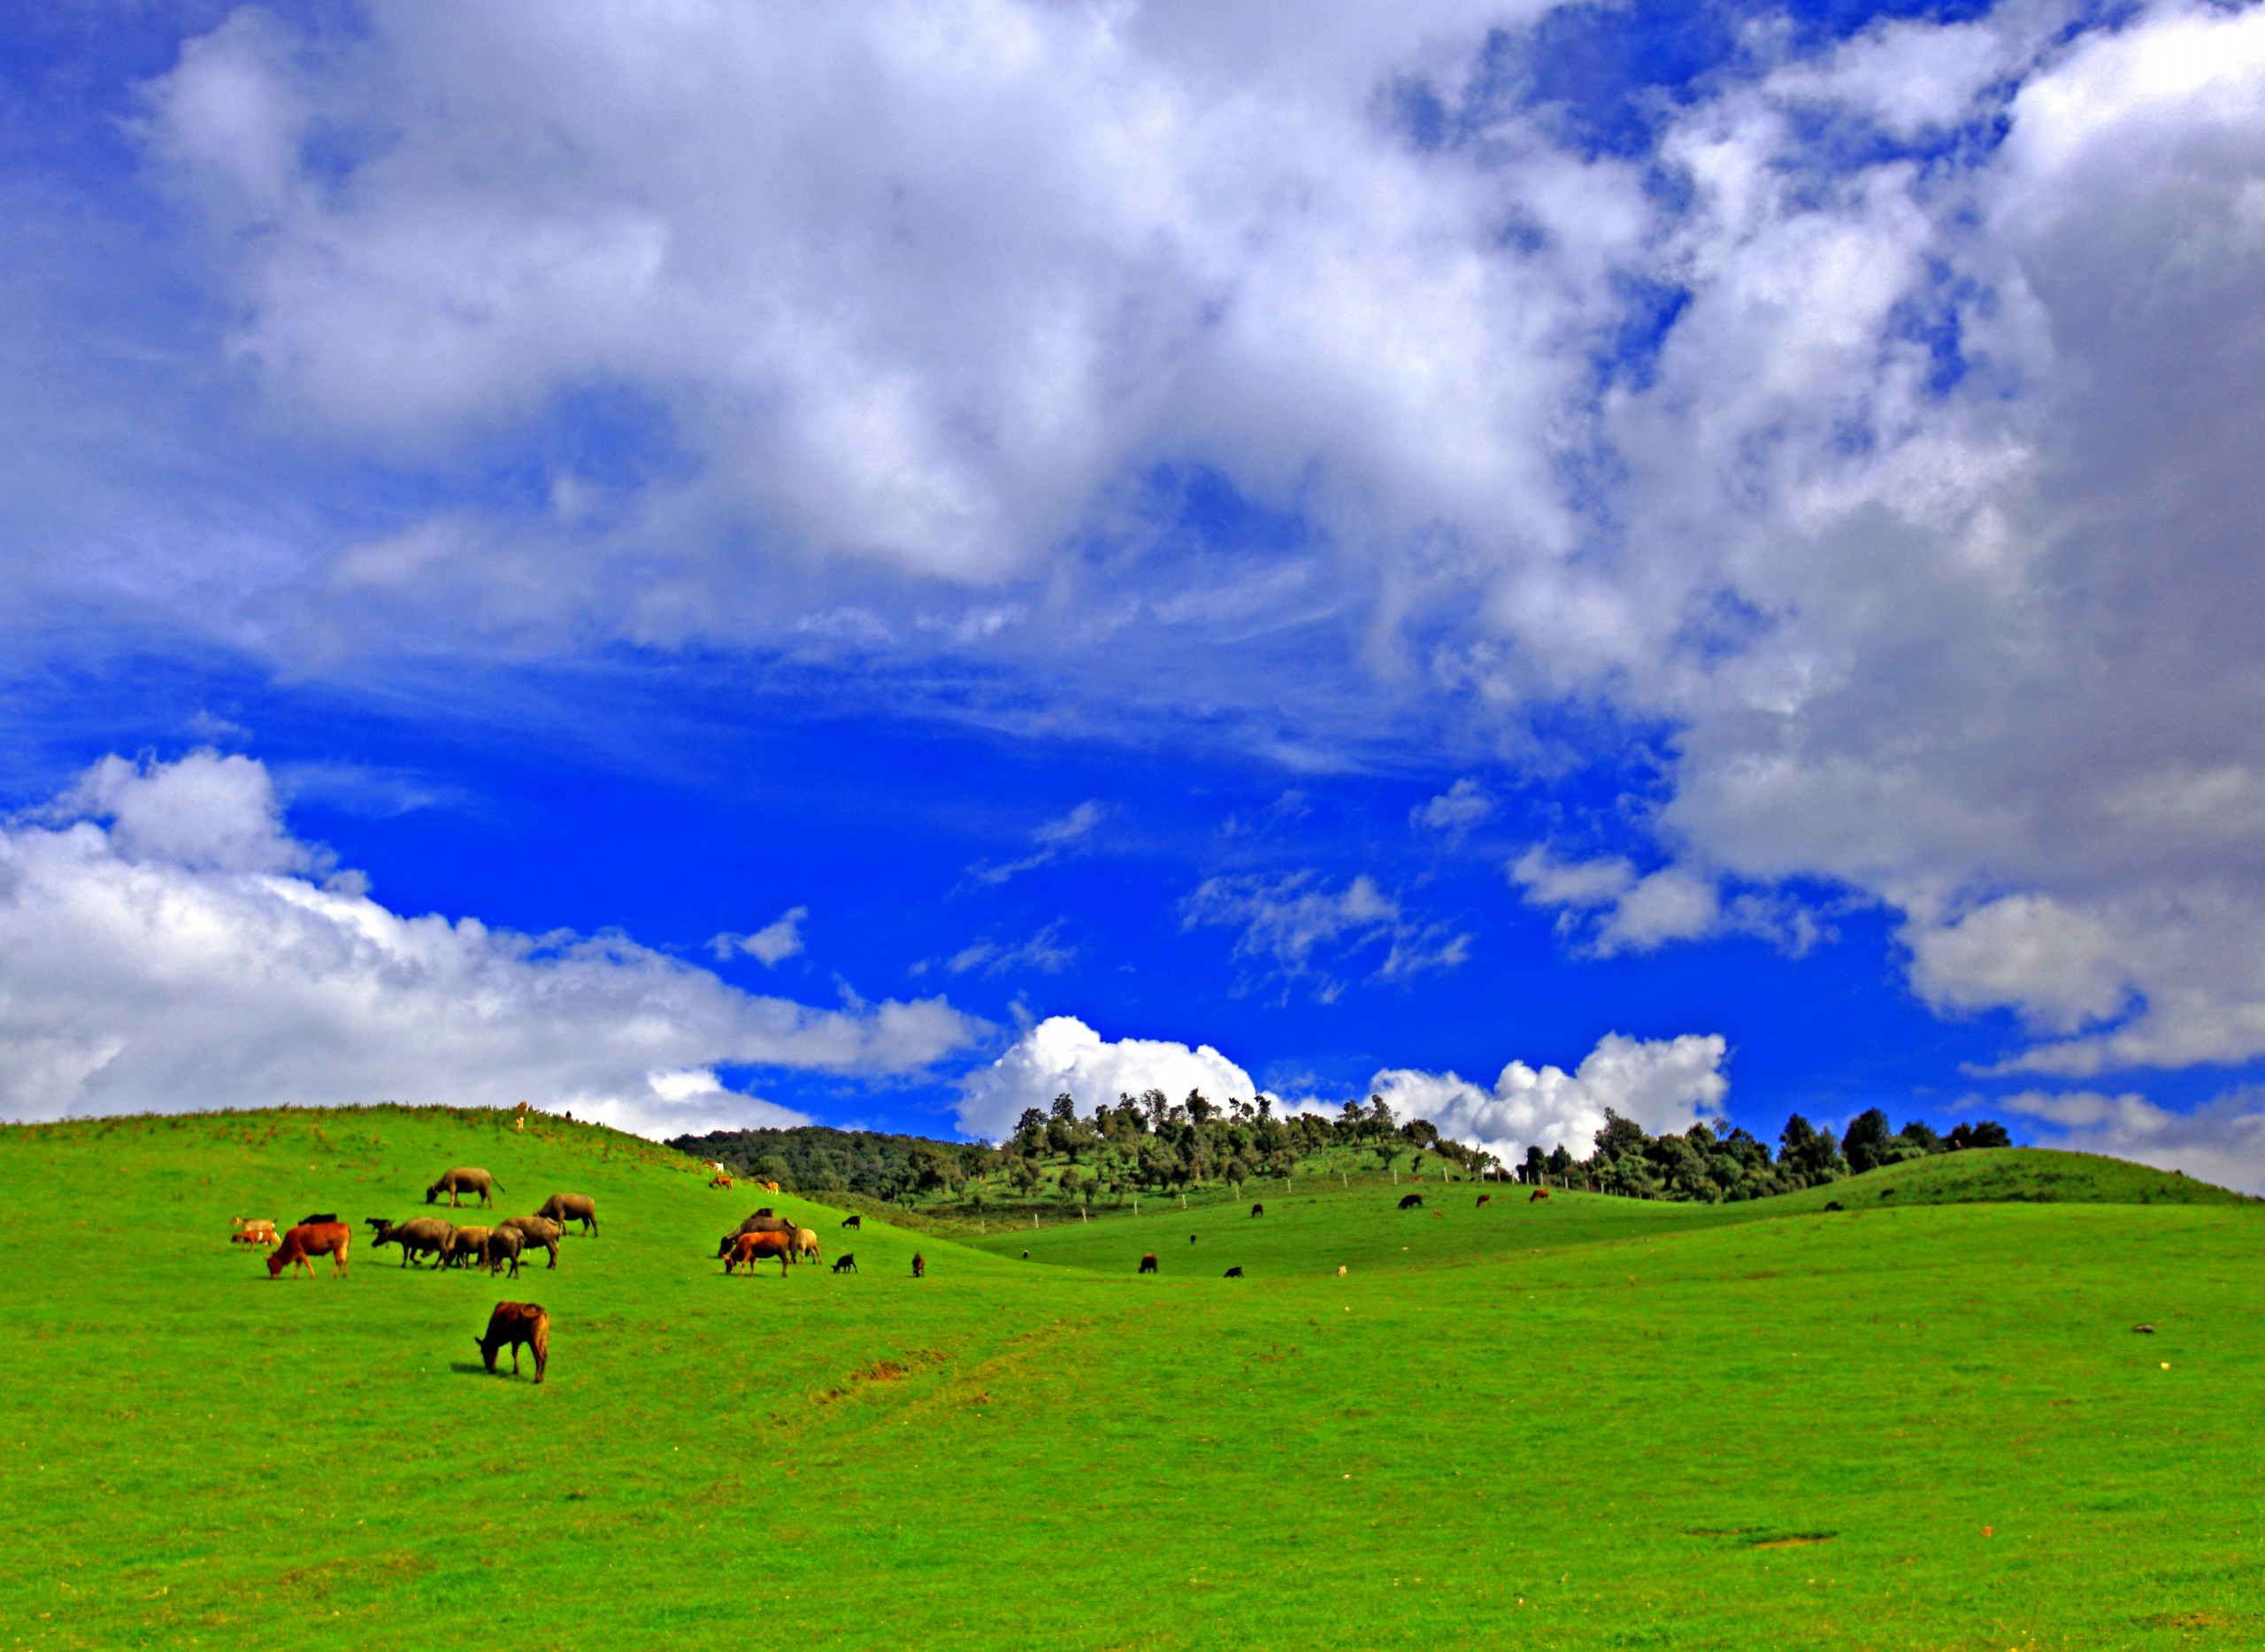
x: 1590, y: 1423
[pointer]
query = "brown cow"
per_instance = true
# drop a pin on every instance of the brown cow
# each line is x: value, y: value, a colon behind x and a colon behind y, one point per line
x: 426, y: 1233
x: 570, y: 1207
x: 763, y: 1222
x: 516, y: 1326
x: 750, y: 1249
x: 536, y: 1234
x: 327, y: 1239
x: 503, y: 1245
x: 464, y: 1179
x: 919, y: 1265
x: 1486, y: 1198
x: 463, y: 1244
x: 252, y: 1233
x: 768, y: 1186
x: 1536, y: 1195
x: 1149, y: 1262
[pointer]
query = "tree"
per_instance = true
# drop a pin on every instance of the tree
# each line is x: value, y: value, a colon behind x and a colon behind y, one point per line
x: 1810, y: 1154
x: 773, y: 1167
x: 1867, y: 1141
x: 1022, y: 1174
x: 1987, y: 1133
x: 933, y: 1168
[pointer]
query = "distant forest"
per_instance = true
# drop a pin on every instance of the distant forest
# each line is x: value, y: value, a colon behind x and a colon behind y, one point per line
x: 1150, y: 1143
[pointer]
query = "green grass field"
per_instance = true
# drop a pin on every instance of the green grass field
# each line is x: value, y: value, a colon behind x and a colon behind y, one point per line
x: 1926, y: 1421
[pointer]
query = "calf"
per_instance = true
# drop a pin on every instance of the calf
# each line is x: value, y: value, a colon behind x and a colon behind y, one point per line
x: 326, y: 1239
x: 1536, y: 1195
x: 769, y: 1187
x: 846, y: 1263
x: 562, y: 1208
x: 1412, y: 1201
x: 1340, y: 1269
x: 1258, y: 1209
x: 1234, y: 1273
x: 919, y: 1265
x: 853, y: 1221
x: 250, y: 1233
x: 516, y: 1325
x: 747, y: 1250
x: 1149, y: 1262
x: 1486, y: 1198
x: 720, y: 1180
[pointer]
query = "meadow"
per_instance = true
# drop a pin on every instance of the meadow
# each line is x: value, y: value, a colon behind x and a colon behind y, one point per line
x: 1922, y: 1421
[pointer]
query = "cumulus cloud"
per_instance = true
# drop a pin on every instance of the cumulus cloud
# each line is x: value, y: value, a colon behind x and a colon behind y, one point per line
x: 2222, y: 1141
x: 183, y: 957
x: 1896, y: 460
x: 1303, y: 930
x: 774, y: 943
x: 1063, y: 1056
x: 1663, y: 1084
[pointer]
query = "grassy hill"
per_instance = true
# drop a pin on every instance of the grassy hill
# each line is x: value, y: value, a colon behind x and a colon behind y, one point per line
x: 1923, y: 1422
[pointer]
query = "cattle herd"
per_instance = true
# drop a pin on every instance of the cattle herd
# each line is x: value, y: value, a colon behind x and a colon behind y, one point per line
x: 764, y: 1236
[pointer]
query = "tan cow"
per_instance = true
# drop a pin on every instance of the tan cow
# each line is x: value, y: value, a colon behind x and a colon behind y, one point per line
x: 252, y: 1233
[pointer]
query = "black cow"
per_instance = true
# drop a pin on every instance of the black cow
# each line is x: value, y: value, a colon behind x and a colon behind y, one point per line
x: 321, y: 1219
x: 1412, y: 1201
x: 853, y: 1221
x: 1258, y: 1209
x: 1234, y: 1273
x: 1149, y: 1262
x: 846, y: 1263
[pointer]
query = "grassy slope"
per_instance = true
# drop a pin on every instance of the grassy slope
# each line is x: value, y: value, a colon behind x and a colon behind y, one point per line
x: 1608, y: 1425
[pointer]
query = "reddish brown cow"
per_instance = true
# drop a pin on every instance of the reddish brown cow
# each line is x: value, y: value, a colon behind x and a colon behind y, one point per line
x: 516, y: 1326
x: 919, y: 1265
x: 318, y: 1239
x: 1536, y: 1195
x: 750, y: 1249
x: 1486, y: 1198
x: 1149, y: 1262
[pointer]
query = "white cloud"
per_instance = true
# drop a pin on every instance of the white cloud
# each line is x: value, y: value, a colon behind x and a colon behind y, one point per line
x: 1926, y: 535
x: 1663, y: 1084
x: 1304, y: 929
x: 775, y: 942
x: 182, y: 958
x: 1455, y: 810
x: 1061, y: 1054
x: 2222, y: 1141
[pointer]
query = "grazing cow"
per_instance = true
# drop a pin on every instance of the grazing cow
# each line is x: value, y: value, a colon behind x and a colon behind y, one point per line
x: 1340, y: 1269
x: 324, y: 1239
x: 1412, y: 1201
x: 1486, y: 1198
x: 1834, y: 1204
x: 1258, y: 1209
x: 320, y: 1218
x: 570, y: 1207
x: 805, y: 1245
x: 1191, y: 1239
x: 464, y: 1179
x: 853, y: 1221
x: 714, y: 1167
x: 536, y: 1234
x: 1149, y: 1262
x: 503, y: 1245
x: 720, y: 1180
x: 846, y: 1263
x: 769, y: 1187
x: 749, y: 1248
x: 1538, y: 1197
x: 763, y: 1222
x: 919, y: 1266
x: 1234, y: 1273
x: 516, y: 1325
x: 426, y: 1234
x: 261, y: 1232
x: 463, y: 1245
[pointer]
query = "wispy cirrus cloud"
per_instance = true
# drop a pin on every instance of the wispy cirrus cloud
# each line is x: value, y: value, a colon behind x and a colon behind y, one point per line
x: 1300, y: 929
x: 1065, y: 835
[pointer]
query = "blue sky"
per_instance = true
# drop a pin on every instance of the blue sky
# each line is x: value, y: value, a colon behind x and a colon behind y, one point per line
x: 1706, y: 552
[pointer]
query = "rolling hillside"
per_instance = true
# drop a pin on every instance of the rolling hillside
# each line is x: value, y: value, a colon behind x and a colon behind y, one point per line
x: 1926, y: 1421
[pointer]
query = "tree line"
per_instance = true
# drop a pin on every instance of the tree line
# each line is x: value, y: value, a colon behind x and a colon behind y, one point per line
x: 1150, y: 1143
